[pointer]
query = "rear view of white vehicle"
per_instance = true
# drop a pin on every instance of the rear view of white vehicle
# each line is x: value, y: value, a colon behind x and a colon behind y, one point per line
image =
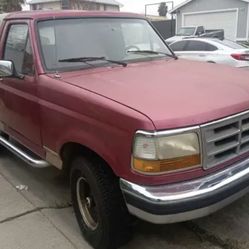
x: 212, y: 51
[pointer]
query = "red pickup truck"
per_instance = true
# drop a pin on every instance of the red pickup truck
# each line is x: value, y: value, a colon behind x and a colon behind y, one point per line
x: 102, y: 97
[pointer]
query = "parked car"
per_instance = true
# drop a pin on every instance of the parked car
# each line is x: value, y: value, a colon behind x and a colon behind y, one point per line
x: 137, y: 131
x: 244, y: 43
x: 212, y: 51
x: 196, y: 31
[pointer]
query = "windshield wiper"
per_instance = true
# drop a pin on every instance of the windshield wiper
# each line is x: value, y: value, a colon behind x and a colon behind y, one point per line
x: 89, y: 59
x: 151, y: 52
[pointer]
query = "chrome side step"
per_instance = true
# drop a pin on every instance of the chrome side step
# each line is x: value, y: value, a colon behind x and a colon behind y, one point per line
x: 23, y: 155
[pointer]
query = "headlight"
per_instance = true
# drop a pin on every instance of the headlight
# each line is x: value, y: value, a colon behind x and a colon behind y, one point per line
x: 157, y: 154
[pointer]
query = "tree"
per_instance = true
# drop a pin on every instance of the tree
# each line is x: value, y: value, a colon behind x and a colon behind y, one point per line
x: 163, y: 9
x: 11, y: 5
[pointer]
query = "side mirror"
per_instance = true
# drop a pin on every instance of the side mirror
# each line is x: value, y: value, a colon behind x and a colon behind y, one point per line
x: 6, y: 69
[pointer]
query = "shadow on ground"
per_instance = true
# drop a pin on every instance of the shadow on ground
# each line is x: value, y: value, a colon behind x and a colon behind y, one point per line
x: 48, y: 191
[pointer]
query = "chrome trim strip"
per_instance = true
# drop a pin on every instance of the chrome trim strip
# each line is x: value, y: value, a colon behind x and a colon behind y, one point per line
x: 23, y: 155
x: 170, y: 132
x: 188, y: 190
x: 225, y: 119
x: 185, y: 216
x: 188, y: 129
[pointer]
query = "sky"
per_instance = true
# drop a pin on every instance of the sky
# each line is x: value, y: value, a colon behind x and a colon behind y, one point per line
x: 138, y: 5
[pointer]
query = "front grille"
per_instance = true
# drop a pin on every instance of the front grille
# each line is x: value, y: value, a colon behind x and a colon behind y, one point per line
x: 225, y: 139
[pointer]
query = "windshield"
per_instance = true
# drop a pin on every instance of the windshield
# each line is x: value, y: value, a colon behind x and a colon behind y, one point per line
x: 111, y: 38
x: 187, y: 31
x: 231, y: 44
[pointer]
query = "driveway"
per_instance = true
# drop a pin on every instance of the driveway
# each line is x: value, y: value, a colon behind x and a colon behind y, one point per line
x: 42, y: 217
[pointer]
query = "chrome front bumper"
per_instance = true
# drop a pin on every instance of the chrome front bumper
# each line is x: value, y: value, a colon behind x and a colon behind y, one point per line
x: 187, y: 200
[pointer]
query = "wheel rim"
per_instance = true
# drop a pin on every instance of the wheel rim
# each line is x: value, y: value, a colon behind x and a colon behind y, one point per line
x: 86, y: 203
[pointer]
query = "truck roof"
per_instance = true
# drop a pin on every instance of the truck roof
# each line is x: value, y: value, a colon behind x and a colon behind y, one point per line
x: 48, y: 14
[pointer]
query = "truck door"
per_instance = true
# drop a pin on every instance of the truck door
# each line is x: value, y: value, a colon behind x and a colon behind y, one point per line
x: 22, y: 113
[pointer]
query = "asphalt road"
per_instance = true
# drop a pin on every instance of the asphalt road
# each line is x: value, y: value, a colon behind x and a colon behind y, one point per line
x: 42, y: 217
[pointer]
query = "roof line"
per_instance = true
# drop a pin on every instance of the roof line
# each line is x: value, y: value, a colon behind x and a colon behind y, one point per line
x: 31, y: 2
x: 41, y: 1
x: 188, y: 1
x: 180, y: 5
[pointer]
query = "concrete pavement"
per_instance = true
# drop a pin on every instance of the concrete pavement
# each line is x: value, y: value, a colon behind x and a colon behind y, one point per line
x: 42, y: 217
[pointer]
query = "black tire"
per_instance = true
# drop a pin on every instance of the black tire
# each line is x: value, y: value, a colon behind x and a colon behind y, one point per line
x: 102, y: 196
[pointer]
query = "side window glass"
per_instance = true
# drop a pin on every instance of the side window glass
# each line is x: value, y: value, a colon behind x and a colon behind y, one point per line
x: 179, y: 46
x: 210, y: 47
x: 200, y: 30
x: 28, y: 62
x: 196, y: 46
x: 18, y: 48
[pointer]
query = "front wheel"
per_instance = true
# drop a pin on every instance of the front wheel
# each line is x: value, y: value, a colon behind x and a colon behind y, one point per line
x: 98, y: 204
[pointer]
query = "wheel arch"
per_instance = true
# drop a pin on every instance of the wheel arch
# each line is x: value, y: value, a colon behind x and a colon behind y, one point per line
x: 70, y: 150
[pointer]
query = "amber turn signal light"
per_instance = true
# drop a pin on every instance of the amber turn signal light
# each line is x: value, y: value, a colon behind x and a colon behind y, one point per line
x: 168, y: 165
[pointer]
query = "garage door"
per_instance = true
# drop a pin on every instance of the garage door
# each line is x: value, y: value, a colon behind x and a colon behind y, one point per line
x: 226, y: 20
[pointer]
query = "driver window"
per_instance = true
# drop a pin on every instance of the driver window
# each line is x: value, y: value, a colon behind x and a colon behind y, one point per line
x: 18, y: 49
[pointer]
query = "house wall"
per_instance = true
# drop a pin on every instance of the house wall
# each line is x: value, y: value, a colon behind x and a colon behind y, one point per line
x: 83, y: 6
x: 50, y: 5
x: 111, y: 8
x: 210, y: 5
x: 98, y: 6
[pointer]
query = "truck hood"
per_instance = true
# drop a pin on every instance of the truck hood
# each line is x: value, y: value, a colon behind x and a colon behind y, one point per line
x: 171, y: 93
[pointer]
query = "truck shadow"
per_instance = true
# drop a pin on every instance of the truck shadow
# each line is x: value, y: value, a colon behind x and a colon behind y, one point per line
x: 48, y: 189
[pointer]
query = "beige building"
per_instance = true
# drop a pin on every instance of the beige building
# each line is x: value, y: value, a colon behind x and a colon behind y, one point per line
x: 102, y: 5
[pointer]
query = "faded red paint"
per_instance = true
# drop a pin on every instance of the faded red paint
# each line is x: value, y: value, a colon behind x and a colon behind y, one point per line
x: 102, y: 108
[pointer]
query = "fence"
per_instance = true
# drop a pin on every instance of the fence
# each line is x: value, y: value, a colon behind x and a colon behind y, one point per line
x: 166, y: 27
